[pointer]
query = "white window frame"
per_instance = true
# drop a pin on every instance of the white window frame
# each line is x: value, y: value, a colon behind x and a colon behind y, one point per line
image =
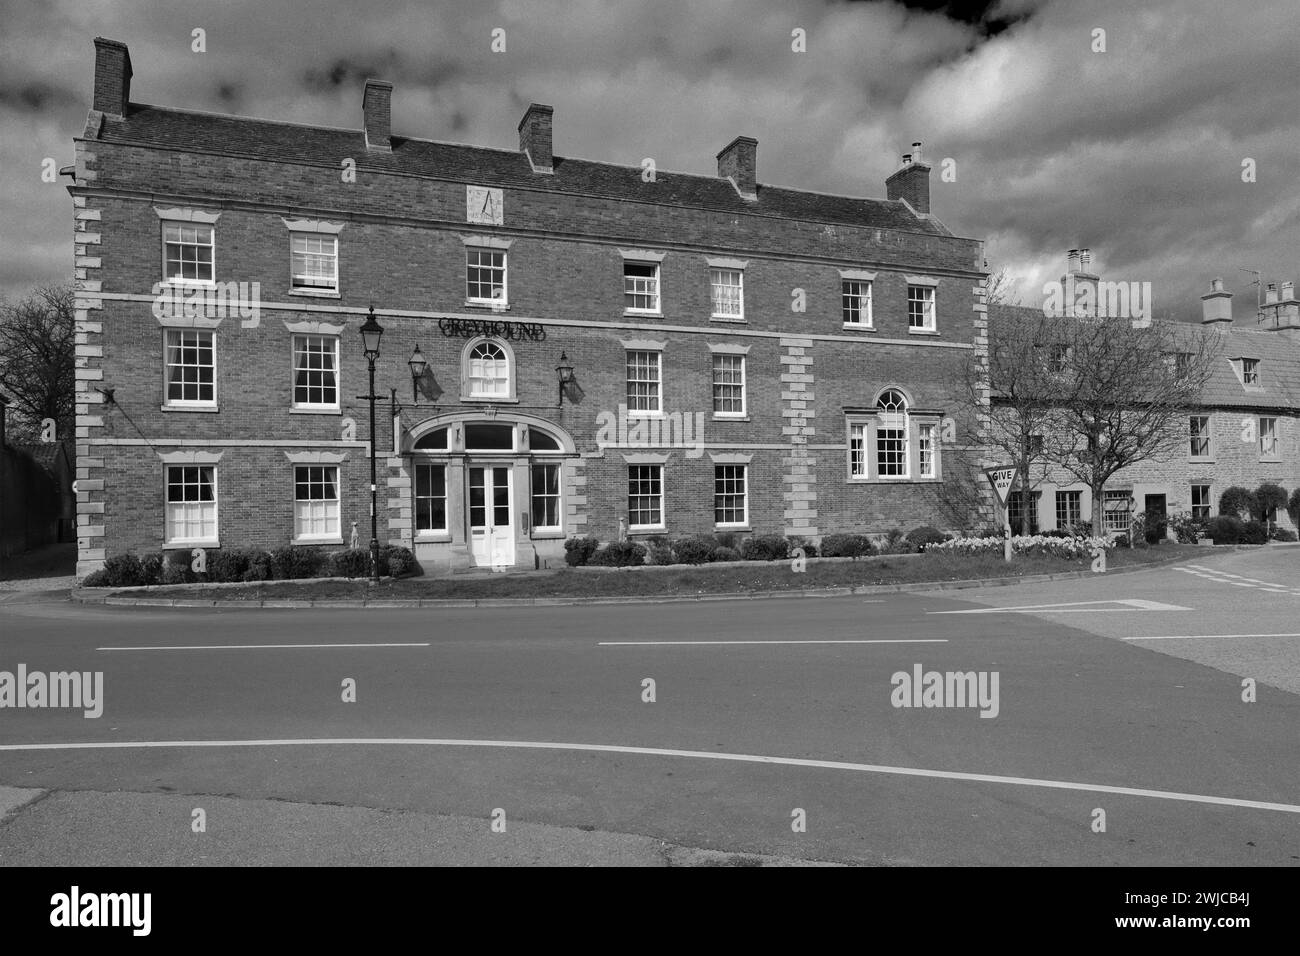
x: 864, y: 300
x: 495, y: 302
x: 299, y: 520
x: 663, y: 517
x: 1067, y: 497
x: 656, y: 280
x: 859, y: 433
x: 1197, y: 433
x: 742, y: 384
x: 876, y: 449
x: 1127, y: 511
x: 297, y: 280
x: 416, y: 498
x: 180, y: 334
x: 744, y: 496
x: 169, y: 525
x: 929, y: 308
x: 717, y: 273
x: 558, y: 496
x: 1208, y: 504
x: 1250, y: 372
x: 1269, y: 446
x: 927, y: 431
x: 313, y: 406
x: 211, y: 245
x: 658, y: 381
x: 467, y: 377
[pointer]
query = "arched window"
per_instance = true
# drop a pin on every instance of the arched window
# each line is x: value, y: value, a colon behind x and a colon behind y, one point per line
x: 891, y: 435
x: 488, y: 372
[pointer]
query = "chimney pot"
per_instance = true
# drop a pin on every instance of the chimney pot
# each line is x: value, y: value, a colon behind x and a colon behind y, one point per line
x: 1072, y: 260
x: 1216, y: 284
x: 535, y: 137
x: 1288, y: 291
x: 739, y: 163
x: 916, y: 151
x: 1270, y: 293
x: 112, y: 77
x: 377, y: 108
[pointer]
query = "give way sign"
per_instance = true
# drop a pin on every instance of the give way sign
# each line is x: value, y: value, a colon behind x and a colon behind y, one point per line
x: 1001, y: 478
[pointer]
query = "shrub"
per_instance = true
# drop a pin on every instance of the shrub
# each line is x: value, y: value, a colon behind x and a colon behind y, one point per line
x: 291, y: 563
x: 1284, y: 534
x: 122, y: 571
x: 846, y: 546
x: 727, y: 539
x: 896, y: 543
x: 1293, y: 506
x: 797, y: 541
x: 151, y: 568
x: 1225, y: 529
x: 260, y: 567
x: 1269, y: 497
x: 1187, y: 528
x: 398, y: 561
x: 765, y: 547
x: 658, y: 552
x: 925, y: 535
x: 229, y: 564
x: 578, y: 551
x: 95, y: 579
x: 352, y: 563
x: 1254, y: 532
x: 1237, y: 502
x: 177, y: 568
x: 619, y: 554
x: 724, y: 553
x: 693, y: 550
x: 1079, y: 548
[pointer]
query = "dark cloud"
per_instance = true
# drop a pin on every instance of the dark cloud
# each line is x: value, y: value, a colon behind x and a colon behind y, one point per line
x: 37, y: 97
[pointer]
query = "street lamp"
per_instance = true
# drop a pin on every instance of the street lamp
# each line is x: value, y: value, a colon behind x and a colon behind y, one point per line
x: 418, y: 366
x: 564, y: 372
x: 371, y: 333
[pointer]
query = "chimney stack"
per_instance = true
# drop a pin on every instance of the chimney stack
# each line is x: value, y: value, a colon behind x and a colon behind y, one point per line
x: 112, y: 77
x: 535, y: 137
x: 739, y: 163
x: 911, y: 182
x: 377, y: 106
x: 1288, y: 291
x: 1216, y: 305
x: 1270, y: 293
x: 1085, y: 260
x: 1072, y: 261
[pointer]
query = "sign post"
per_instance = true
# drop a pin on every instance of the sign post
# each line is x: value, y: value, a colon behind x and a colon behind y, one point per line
x: 1002, y: 477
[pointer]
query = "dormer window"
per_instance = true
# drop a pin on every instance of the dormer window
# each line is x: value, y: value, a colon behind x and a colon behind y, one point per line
x: 1250, y: 372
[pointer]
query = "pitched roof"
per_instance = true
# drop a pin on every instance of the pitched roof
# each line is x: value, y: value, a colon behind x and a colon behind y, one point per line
x: 291, y: 143
x: 1278, y: 354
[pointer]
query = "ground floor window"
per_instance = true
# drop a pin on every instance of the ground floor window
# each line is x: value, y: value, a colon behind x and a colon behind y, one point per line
x: 645, y: 496
x: 730, y: 499
x: 1023, y: 521
x: 430, y: 497
x: 316, y: 502
x: 1200, y: 501
x: 1069, y: 508
x: 1115, y: 511
x: 191, y: 504
x: 546, y: 497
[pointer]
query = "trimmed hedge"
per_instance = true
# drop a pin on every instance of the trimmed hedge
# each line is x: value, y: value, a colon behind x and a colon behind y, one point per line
x: 578, y: 550
x: 694, y: 550
x: 619, y: 554
x: 925, y: 535
x: 1225, y: 529
x: 228, y: 565
x: 847, y: 546
x: 724, y: 553
x: 765, y: 547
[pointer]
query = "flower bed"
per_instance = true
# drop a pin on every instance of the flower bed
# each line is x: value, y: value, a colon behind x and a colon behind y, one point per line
x: 1025, y: 544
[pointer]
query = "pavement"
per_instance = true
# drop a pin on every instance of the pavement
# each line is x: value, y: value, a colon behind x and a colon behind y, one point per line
x: 771, y: 736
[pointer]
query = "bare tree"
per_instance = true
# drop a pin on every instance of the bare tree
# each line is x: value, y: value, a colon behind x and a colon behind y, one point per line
x: 37, y: 361
x: 1122, y: 394
x: 1022, y: 390
x: 1001, y: 288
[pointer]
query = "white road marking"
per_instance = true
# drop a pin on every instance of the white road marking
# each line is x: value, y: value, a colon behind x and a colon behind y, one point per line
x: 1236, y: 580
x: 662, y: 752
x: 1202, y: 637
x: 910, y: 640
x: 1130, y: 604
x: 246, y: 647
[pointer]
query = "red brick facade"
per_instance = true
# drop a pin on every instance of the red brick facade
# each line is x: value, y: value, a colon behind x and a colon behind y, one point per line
x: 400, y: 218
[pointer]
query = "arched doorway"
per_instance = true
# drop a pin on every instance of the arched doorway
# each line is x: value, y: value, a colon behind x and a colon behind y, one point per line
x: 487, y: 490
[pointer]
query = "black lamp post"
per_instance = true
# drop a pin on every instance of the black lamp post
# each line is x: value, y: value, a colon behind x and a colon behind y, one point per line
x: 564, y: 372
x: 371, y: 333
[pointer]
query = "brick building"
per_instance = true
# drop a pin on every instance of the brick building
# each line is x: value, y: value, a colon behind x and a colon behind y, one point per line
x: 607, y: 349
x: 1246, y: 431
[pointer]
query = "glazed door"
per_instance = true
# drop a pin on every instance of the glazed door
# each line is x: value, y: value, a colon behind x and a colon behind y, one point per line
x: 491, y: 534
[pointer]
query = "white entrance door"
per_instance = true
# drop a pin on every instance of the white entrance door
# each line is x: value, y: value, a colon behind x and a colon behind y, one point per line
x: 491, y: 533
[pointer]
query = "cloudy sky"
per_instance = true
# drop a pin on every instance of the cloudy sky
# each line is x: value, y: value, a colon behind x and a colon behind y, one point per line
x: 1135, y: 152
